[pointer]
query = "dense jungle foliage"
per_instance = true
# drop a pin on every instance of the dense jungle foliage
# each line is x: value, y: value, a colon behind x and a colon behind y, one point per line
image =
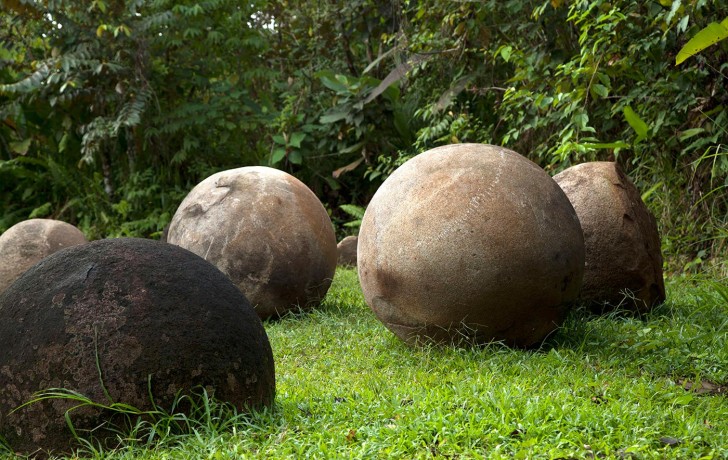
x: 110, y: 111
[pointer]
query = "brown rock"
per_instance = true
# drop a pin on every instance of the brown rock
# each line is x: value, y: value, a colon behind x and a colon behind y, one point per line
x: 141, y: 313
x: 623, y: 258
x: 27, y: 242
x: 347, y: 251
x: 266, y: 231
x: 470, y: 243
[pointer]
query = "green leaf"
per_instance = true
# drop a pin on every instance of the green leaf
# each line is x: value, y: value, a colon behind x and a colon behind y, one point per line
x: 673, y: 9
x: 682, y: 26
x: 607, y: 145
x: 353, y: 210
x: 333, y: 84
x: 279, y: 139
x: 295, y: 157
x: 600, y: 90
x: 639, y: 126
x: 688, y: 133
x: 353, y: 148
x: 63, y: 144
x: 277, y: 156
x: 650, y: 191
x: 296, y: 139
x: 581, y: 120
x: 21, y: 148
x: 43, y: 210
x: 505, y: 53
x: 332, y: 117
x: 683, y: 400
x: 708, y: 36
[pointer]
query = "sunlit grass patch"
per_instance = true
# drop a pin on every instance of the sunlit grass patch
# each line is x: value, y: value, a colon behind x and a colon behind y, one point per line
x: 611, y: 386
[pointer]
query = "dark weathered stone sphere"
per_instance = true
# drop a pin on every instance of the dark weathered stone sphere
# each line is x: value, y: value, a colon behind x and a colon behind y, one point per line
x: 266, y: 231
x: 27, y: 242
x: 470, y: 243
x: 140, y: 313
x: 623, y: 257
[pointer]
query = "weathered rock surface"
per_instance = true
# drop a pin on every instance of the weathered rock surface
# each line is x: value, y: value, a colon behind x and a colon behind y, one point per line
x: 139, y: 312
x: 266, y: 231
x: 347, y: 251
x: 623, y: 258
x: 27, y: 242
x: 470, y: 243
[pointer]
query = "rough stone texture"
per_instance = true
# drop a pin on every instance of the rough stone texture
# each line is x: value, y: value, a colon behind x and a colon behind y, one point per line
x: 347, y: 251
x: 470, y: 243
x: 266, y: 231
x: 143, y: 309
x: 27, y: 242
x: 622, y: 242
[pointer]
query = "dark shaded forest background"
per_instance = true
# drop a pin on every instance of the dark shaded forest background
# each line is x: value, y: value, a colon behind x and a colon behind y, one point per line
x: 111, y: 111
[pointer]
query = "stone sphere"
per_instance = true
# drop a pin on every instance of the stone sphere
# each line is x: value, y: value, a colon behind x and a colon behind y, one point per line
x: 266, y: 231
x: 27, y: 242
x: 470, y: 243
x: 347, y: 248
x: 132, y: 318
x: 623, y: 258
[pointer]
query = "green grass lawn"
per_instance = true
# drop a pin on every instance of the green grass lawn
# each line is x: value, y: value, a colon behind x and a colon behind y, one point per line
x: 602, y: 387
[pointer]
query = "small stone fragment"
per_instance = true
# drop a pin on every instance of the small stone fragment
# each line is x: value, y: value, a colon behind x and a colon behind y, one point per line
x: 347, y: 251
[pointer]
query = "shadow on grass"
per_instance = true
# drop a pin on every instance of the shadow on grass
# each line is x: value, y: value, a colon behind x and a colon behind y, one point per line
x: 685, y: 336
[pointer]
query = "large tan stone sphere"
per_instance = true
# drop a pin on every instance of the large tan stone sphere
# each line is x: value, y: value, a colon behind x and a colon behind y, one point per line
x: 470, y: 243
x: 623, y: 257
x: 27, y: 242
x: 266, y: 231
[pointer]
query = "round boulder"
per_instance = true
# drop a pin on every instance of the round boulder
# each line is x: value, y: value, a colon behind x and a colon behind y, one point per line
x: 126, y: 320
x: 347, y: 251
x: 27, y: 242
x: 623, y: 258
x: 470, y: 243
x: 266, y: 231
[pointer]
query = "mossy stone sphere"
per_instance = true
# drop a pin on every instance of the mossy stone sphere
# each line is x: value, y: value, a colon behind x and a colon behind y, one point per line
x: 623, y: 257
x: 470, y: 244
x: 129, y: 318
x: 266, y: 231
x: 27, y: 242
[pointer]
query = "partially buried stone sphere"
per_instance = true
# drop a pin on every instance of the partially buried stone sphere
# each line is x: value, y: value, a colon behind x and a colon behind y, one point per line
x: 27, y: 242
x: 623, y: 258
x: 470, y: 243
x: 265, y: 230
x: 129, y: 316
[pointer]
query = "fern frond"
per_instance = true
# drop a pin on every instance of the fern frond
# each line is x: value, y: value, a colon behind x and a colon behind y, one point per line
x: 353, y: 210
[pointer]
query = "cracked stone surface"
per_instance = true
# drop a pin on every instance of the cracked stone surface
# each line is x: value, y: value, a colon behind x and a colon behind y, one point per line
x: 141, y: 312
x: 470, y: 243
x: 27, y: 242
x: 266, y: 231
x: 623, y: 256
